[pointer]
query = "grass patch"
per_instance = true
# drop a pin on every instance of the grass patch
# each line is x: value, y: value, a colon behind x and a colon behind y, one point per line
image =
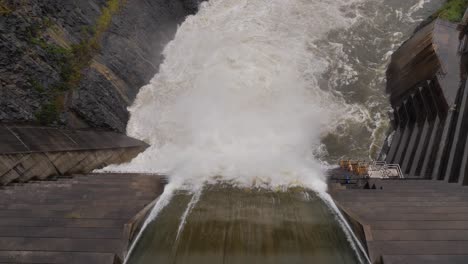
x: 453, y: 10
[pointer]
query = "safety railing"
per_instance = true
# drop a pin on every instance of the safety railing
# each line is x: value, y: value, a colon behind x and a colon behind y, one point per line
x: 394, y: 167
x: 383, y: 170
x: 373, y: 169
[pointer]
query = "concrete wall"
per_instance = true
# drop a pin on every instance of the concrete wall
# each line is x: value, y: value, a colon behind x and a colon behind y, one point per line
x: 28, y: 153
x: 430, y: 117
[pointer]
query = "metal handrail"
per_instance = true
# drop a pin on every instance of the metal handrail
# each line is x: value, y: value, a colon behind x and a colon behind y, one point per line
x: 386, y: 169
x: 398, y: 169
x: 376, y: 165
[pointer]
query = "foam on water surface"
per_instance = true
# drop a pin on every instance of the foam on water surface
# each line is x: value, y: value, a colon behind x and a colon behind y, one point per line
x: 238, y: 96
x: 250, y: 90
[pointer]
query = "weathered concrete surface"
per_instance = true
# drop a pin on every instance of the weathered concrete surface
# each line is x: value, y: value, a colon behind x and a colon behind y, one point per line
x: 28, y: 139
x: 414, y: 61
x: 233, y: 225
x: 37, y: 153
x: 426, y: 81
x: 410, y: 221
x: 73, y: 220
x: 431, y: 53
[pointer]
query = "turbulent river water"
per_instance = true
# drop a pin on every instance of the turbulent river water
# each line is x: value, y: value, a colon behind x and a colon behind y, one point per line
x: 263, y: 94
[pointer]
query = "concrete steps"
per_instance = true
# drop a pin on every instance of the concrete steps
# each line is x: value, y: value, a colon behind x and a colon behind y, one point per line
x: 411, y: 221
x: 77, y: 219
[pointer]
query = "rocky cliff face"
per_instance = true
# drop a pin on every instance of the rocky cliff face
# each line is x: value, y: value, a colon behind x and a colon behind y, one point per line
x: 81, y: 63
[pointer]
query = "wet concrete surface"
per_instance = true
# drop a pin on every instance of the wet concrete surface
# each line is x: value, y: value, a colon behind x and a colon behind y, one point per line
x: 231, y: 225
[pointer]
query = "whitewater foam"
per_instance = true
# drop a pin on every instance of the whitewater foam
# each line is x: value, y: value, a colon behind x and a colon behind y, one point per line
x: 193, y: 201
x: 238, y: 96
x: 351, y: 237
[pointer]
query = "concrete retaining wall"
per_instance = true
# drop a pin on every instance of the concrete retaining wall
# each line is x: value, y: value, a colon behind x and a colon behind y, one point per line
x: 428, y: 92
x: 38, y: 153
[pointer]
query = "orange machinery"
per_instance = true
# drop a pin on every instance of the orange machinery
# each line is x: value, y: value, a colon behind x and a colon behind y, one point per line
x: 355, y: 166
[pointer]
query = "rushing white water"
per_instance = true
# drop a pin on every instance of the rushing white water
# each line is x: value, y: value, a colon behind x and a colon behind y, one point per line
x: 161, y: 203
x: 352, y: 238
x: 191, y: 204
x: 238, y: 98
x: 238, y: 95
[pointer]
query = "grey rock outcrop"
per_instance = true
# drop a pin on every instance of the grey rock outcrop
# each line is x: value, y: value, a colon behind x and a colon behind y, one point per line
x: 46, y: 75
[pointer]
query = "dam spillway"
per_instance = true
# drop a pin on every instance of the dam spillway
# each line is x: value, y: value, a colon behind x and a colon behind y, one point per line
x: 227, y: 224
x: 251, y: 104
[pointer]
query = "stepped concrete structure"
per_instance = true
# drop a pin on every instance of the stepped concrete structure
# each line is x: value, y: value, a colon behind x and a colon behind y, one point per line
x: 426, y: 81
x: 54, y: 210
x: 423, y: 217
x: 80, y: 219
x: 28, y: 153
x: 406, y: 221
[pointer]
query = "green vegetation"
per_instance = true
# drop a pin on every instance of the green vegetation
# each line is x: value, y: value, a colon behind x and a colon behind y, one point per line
x: 80, y: 55
x: 38, y: 42
x: 72, y: 61
x: 453, y: 10
x: 48, y: 114
x: 51, y: 49
x: 105, y: 19
x: 37, y: 86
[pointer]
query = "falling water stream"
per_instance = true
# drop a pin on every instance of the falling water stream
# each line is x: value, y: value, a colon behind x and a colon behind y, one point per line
x: 253, y: 100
